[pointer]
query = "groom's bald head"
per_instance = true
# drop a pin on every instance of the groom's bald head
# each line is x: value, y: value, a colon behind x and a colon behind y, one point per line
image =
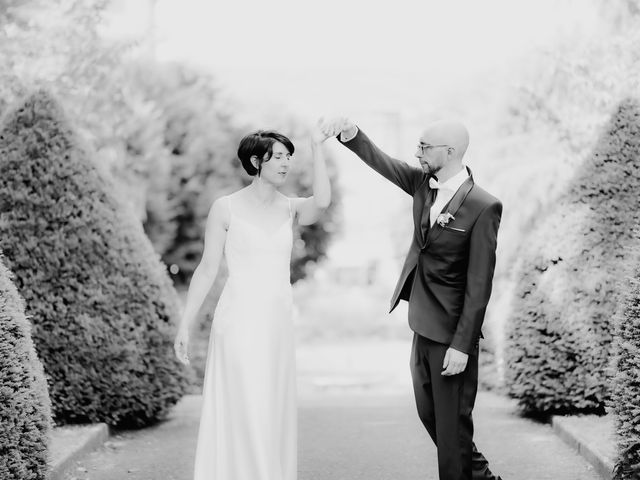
x: 447, y: 132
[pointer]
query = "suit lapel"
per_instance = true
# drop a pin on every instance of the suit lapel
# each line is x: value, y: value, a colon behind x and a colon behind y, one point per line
x: 452, y: 207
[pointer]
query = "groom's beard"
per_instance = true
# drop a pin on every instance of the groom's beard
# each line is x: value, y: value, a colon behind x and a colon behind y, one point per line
x: 430, y: 170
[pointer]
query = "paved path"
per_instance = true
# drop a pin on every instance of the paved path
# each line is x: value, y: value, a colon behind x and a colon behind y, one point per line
x: 353, y: 437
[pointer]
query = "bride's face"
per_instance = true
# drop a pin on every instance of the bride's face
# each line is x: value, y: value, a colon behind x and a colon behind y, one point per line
x: 276, y: 169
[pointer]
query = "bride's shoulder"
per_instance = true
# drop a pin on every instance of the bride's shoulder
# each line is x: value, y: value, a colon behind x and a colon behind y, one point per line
x: 220, y: 210
x: 221, y: 203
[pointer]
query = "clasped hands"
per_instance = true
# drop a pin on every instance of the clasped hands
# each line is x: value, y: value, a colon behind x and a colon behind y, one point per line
x: 330, y: 127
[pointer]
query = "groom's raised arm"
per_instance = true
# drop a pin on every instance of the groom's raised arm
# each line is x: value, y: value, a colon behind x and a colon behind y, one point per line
x: 405, y: 176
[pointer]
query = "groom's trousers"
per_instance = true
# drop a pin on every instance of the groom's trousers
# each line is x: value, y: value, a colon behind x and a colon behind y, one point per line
x: 444, y: 406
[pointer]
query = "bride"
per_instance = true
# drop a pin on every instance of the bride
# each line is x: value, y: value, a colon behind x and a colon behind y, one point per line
x: 248, y: 424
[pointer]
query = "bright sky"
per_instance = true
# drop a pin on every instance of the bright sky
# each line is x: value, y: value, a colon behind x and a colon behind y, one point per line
x: 455, y: 35
x: 348, y: 56
x: 354, y: 54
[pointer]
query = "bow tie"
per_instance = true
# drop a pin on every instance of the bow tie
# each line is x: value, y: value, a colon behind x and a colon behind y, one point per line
x: 434, y: 184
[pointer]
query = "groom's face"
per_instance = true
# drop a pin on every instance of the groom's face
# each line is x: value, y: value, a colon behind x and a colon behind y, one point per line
x: 431, y: 153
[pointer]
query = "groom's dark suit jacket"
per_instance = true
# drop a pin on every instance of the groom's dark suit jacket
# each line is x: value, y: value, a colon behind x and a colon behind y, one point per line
x: 448, y: 271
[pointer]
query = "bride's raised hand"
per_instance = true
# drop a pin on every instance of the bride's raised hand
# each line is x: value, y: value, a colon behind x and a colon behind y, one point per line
x: 321, y: 131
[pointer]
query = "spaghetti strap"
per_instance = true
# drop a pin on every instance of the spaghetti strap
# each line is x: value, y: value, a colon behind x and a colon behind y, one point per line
x: 290, y: 213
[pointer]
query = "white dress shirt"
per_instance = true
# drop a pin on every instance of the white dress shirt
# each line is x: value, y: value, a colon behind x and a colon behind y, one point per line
x: 446, y: 192
x: 344, y: 138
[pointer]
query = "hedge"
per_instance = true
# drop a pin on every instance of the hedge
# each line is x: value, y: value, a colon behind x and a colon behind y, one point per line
x: 626, y: 386
x: 25, y: 409
x: 102, y: 304
x: 559, y: 337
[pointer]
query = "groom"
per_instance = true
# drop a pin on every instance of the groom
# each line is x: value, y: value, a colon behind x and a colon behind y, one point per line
x: 446, y: 279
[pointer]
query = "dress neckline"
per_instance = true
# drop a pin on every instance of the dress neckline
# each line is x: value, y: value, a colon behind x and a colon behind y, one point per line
x: 268, y: 233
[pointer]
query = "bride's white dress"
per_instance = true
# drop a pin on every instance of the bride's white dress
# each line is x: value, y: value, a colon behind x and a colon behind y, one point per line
x: 248, y: 424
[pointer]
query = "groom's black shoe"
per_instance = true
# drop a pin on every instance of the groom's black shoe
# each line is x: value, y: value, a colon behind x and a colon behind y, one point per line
x: 480, y: 466
x: 487, y: 476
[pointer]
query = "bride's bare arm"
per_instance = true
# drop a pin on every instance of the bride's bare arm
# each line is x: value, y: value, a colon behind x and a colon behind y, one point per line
x: 205, y: 273
x: 309, y: 209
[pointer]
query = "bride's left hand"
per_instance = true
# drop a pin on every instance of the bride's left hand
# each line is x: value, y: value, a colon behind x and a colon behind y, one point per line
x: 181, y: 345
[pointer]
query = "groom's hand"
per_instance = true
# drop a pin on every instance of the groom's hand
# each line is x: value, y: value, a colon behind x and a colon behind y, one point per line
x: 454, y: 362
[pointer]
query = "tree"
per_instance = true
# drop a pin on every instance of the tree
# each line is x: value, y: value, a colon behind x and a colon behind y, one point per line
x: 102, y: 304
x: 201, y: 137
x: 165, y: 132
x: 59, y: 47
x: 25, y: 409
x: 559, y: 101
x: 561, y: 328
x: 626, y: 384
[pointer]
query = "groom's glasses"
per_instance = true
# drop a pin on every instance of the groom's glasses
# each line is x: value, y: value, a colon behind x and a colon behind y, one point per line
x: 425, y: 147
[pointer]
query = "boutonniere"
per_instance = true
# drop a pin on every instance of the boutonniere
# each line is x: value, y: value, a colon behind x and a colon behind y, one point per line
x: 444, y: 218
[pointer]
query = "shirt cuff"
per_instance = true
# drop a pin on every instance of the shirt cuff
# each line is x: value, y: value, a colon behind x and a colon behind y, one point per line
x: 343, y: 138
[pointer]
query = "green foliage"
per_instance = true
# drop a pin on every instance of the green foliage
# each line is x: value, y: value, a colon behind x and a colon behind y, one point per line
x: 626, y: 385
x: 25, y: 409
x: 201, y: 139
x: 547, y: 127
x: 102, y: 304
x: 58, y: 46
x: 560, y: 332
x: 559, y: 100
x: 164, y: 131
x: 10, y: 88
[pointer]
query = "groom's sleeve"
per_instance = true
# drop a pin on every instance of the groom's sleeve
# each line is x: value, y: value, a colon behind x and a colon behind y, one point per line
x: 482, y: 261
x: 405, y: 176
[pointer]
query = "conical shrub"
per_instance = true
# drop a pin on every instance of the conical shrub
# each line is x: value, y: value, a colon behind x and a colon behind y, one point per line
x: 102, y: 305
x: 626, y: 385
x: 574, y: 268
x: 25, y: 410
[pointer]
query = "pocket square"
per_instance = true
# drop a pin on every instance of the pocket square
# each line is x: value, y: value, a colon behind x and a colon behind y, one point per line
x: 455, y: 229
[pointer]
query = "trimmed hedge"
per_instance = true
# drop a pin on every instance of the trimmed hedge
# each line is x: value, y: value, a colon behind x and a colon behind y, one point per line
x: 102, y: 304
x: 626, y: 386
x: 25, y: 409
x: 560, y: 333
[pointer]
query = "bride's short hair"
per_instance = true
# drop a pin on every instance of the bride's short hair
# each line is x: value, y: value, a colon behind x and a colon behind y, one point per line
x: 260, y: 144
